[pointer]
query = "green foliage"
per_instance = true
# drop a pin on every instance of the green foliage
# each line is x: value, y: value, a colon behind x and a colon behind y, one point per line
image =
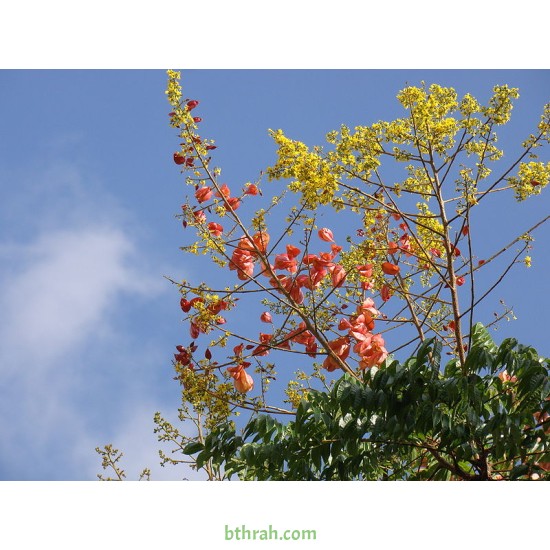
x: 415, y: 421
x: 482, y: 415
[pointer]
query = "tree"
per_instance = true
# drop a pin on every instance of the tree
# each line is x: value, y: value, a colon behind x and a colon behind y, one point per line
x: 415, y: 421
x: 403, y: 281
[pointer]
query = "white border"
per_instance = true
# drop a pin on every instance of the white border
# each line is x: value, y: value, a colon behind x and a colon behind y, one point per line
x: 177, y: 515
x: 278, y: 34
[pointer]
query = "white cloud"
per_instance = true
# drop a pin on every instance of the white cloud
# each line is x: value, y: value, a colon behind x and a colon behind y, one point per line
x: 69, y: 374
x: 58, y: 294
x: 65, y: 283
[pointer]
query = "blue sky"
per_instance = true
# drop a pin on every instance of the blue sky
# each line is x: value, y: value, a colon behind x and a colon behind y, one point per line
x: 87, y: 231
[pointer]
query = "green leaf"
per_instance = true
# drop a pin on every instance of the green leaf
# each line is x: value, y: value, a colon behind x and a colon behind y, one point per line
x: 247, y: 452
x: 482, y: 338
x: 192, y: 448
x: 518, y: 471
x: 201, y: 459
x: 452, y: 368
x: 424, y: 350
x: 436, y: 354
x: 505, y: 352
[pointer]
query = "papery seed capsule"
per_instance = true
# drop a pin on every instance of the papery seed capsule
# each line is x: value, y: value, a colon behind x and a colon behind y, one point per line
x: 390, y: 269
x: 179, y: 158
x: 265, y: 317
x: 326, y: 235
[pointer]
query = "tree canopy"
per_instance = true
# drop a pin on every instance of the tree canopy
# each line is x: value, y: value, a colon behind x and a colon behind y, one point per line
x: 397, y: 277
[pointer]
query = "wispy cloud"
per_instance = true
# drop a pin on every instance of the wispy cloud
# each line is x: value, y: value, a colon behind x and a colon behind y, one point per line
x: 57, y: 294
x: 60, y: 287
x: 65, y: 363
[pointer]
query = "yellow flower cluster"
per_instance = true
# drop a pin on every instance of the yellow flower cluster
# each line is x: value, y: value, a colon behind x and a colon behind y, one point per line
x: 207, y: 394
x: 532, y: 177
x: 431, y: 129
x: 469, y: 106
x: 182, y: 118
x: 173, y: 90
x: 419, y: 181
x: 314, y: 177
x: 500, y: 105
x: 484, y: 148
x: 429, y: 234
x: 295, y: 393
x: 358, y: 152
x: 435, y: 118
